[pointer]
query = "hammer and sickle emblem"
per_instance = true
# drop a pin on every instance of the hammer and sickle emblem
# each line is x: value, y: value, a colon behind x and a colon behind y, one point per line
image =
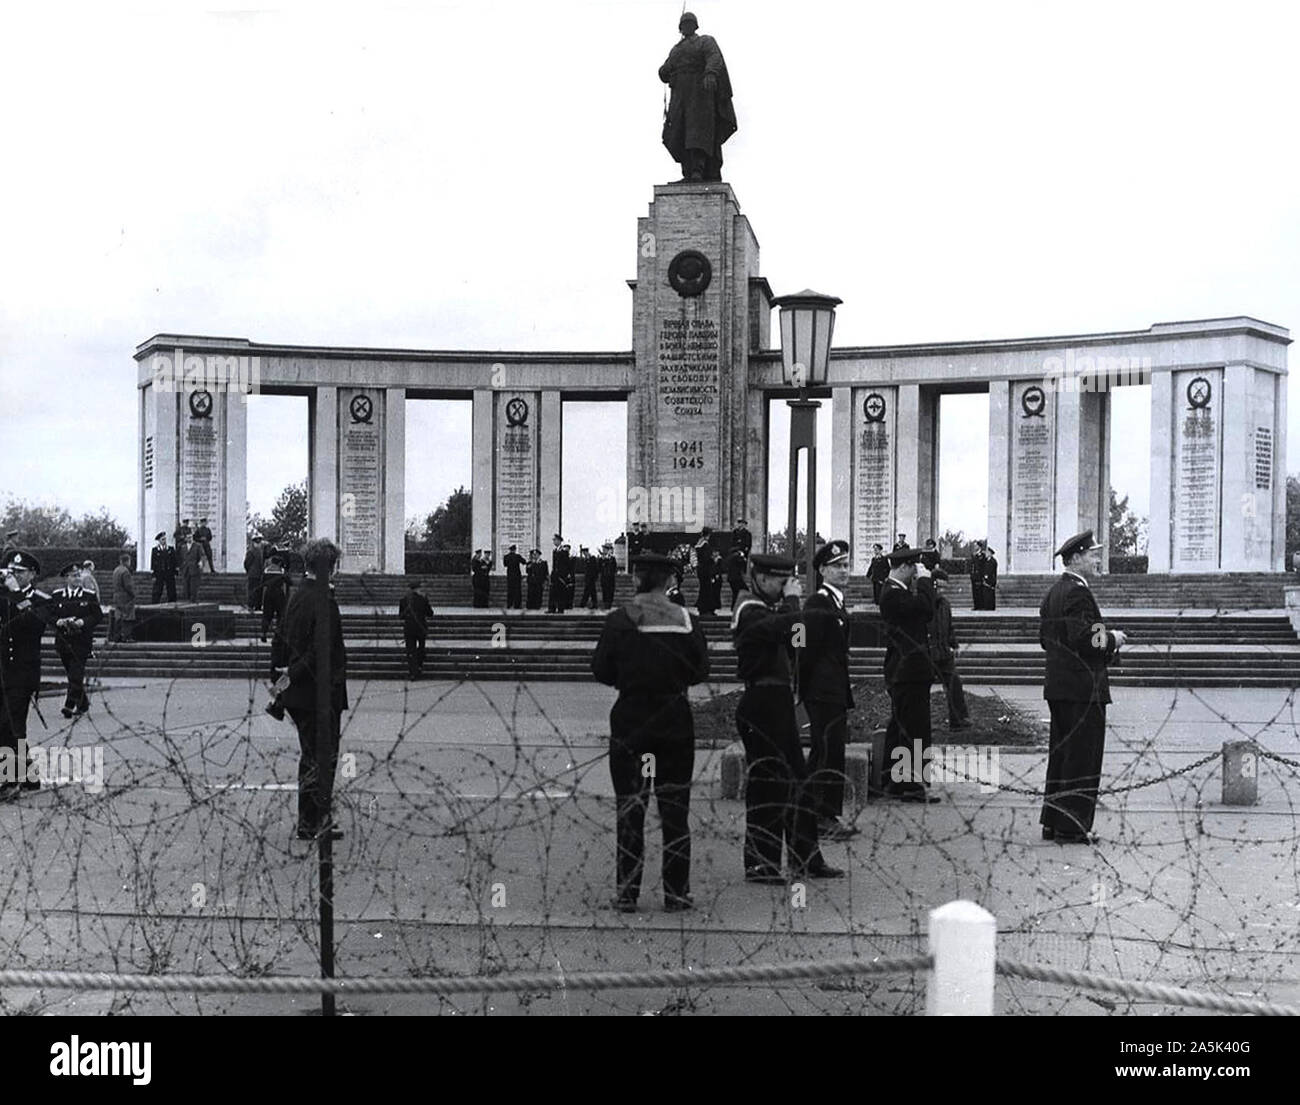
x: 362, y: 408
x: 517, y: 412
x: 1199, y: 392
x: 873, y: 407
x: 201, y: 404
x: 1033, y: 401
x: 689, y: 273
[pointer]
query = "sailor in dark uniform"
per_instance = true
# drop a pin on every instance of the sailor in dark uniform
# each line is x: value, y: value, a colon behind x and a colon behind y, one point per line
x: 590, y: 577
x: 778, y: 805
x: 878, y: 570
x: 203, y: 538
x: 990, y: 580
x: 901, y: 542
x: 275, y: 593
x: 652, y: 651
x: 608, y: 575
x: 824, y: 689
x: 559, y: 559
x: 635, y: 543
x: 908, y: 675
x: 74, y: 612
x: 930, y: 554
x: 164, y: 564
x: 977, y: 576
x: 737, y: 566
x: 741, y: 538
x: 25, y: 613
x: 480, y: 566
x: 537, y: 573
x: 704, y: 572
x: 514, y: 565
x: 415, y: 612
x: 1077, y: 689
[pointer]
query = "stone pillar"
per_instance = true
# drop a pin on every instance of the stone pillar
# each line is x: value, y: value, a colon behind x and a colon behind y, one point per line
x: 1159, y: 527
x: 159, y: 466
x: 550, y: 470
x: 516, y: 474
x: 909, y: 448
x: 483, y: 444
x: 362, y: 477
x: 1196, y: 486
x: 999, y: 523
x: 757, y: 437
x: 231, y: 539
x: 841, y: 447
x: 696, y: 256
x: 394, y: 560
x: 1251, y: 444
x: 323, y: 459
x: 874, y: 456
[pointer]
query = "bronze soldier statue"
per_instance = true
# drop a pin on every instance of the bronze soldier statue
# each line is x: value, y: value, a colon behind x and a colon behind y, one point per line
x: 700, y: 116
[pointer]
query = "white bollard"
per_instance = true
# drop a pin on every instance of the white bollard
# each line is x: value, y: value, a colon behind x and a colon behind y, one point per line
x: 963, y: 942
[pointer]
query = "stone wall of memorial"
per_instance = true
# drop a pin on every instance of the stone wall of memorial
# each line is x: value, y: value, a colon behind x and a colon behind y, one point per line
x: 516, y: 472
x: 1196, y: 469
x: 201, y: 448
x: 874, y: 422
x: 1032, y: 478
x: 361, y: 478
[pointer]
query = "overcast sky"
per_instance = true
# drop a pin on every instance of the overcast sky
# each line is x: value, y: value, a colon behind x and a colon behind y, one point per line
x: 469, y: 176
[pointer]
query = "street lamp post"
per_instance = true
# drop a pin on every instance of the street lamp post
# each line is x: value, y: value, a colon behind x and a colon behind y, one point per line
x: 807, y: 325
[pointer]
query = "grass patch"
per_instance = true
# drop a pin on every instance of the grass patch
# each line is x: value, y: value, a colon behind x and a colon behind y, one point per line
x: 993, y: 719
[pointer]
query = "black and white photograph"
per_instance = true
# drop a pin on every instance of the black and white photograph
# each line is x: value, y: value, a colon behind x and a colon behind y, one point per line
x: 622, y: 509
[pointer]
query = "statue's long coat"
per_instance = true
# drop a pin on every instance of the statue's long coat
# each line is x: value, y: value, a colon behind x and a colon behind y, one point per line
x: 697, y: 119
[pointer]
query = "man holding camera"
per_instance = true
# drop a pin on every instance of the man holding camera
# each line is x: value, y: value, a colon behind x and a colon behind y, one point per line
x: 778, y: 801
x: 908, y: 674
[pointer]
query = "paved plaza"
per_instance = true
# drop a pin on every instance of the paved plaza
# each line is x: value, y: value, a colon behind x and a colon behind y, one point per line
x: 479, y: 839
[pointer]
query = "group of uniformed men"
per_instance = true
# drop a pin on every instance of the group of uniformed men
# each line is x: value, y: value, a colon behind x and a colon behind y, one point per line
x: 653, y: 651
x: 72, y: 611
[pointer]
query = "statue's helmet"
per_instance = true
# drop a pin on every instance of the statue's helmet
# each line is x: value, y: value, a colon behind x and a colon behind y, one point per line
x: 688, y: 19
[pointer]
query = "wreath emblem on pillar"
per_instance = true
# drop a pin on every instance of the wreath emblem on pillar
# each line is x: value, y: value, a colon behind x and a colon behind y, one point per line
x: 200, y: 404
x: 362, y: 408
x: 1199, y: 392
x: 517, y: 412
x: 873, y: 407
x: 689, y: 273
x: 1033, y: 401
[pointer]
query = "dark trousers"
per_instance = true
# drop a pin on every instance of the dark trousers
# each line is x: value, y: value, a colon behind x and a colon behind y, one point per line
x: 74, y: 663
x: 205, y: 547
x: 15, y: 702
x: 561, y: 597
x: 415, y: 642
x: 778, y: 804
x: 159, y: 582
x: 954, y: 692
x: 482, y: 591
x: 191, y: 583
x: 909, y: 722
x: 272, y: 615
x: 829, y: 726
x: 607, y: 592
x: 254, y: 593
x: 314, y: 806
x: 514, y: 592
x: 670, y: 779
x: 534, y: 596
x: 1077, y: 745
x: 875, y: 591
x: 976, y: 595
x: 699, y: 165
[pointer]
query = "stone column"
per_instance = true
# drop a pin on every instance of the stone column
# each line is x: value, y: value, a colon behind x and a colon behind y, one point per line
x: 908, y: 487
x: 999, y: 523
x: 160, y: 467
x: 483, y: 444
x: 231, y: 540
x: 1196, y: 487
x: 756, y: 441
x: 362, y: 476
x: 516, y: 477
x: 874, y: 456
x: 1250, y: 470
x: 550, y: 449
x: 323, y: 440
x: 395, y: 481
x: 841, y: 447
x: 1159, y: 541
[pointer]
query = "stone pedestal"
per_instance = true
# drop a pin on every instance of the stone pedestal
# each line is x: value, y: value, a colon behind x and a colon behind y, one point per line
x: 693, y: 333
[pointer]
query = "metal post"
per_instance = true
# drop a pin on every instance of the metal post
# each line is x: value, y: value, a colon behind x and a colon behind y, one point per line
x: 325, y: 736
x: 803, y: 435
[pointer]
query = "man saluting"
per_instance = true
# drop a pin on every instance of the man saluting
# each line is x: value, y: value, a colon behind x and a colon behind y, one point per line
x: 1078, y: 647
x: 908, y: 674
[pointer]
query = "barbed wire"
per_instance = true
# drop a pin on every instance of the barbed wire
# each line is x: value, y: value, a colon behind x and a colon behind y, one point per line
x: 479, y: 845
